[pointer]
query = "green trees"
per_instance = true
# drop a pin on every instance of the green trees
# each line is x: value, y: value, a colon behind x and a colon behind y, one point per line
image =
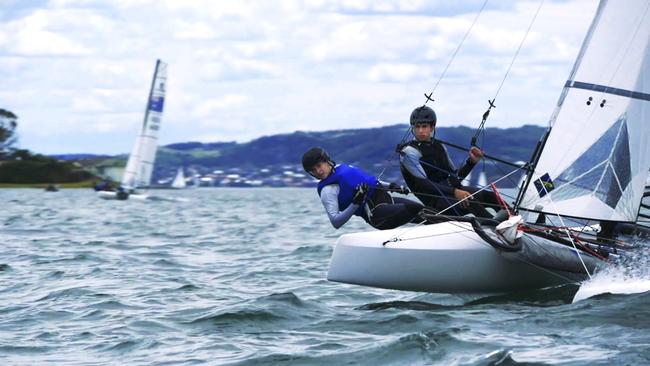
x: 20, y: 166
x: 8, y: 135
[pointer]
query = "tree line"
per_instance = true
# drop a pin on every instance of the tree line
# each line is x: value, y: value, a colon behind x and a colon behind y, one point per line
x: 21, y: 166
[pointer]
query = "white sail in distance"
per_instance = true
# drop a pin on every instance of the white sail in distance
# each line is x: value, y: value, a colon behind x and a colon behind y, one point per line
x: 179, y: 180
x: 596, y: 158
x: 140, y: 164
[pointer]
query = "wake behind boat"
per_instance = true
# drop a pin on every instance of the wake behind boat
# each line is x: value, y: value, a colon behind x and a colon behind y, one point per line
x: 139, y: 167
x: 584, y: 183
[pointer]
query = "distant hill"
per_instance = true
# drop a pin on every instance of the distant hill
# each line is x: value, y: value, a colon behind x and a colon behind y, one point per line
x: 364, y: 147
x: 371, y: 148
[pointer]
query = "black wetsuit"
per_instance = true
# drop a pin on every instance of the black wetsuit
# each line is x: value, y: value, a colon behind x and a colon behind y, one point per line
x: 389, y: 212
x: 431, y: 176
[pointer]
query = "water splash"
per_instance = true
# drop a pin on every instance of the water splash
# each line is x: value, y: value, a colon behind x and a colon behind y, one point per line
x: 631, y: 275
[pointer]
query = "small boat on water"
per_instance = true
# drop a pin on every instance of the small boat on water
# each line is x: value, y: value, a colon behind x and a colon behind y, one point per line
x: 586, y: 181
x: 52, y: 188
x: 179, y: 180
x: 139, y: 167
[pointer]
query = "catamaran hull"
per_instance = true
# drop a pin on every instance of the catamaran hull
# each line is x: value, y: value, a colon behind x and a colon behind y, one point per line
x: 112, y: 195
x: 444, y: 258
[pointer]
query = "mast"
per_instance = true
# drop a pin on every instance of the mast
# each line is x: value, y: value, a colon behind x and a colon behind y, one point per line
x: 140, y: 164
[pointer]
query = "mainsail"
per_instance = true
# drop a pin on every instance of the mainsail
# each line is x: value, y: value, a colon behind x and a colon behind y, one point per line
x: 140, y: 165
x: 596, y: 158
x: 179, y: 180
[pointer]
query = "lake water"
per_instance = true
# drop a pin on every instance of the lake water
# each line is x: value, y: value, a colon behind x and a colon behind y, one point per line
x: 237, y: 277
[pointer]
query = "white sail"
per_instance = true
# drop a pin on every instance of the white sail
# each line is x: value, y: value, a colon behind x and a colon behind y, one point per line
x: 179, y: 180
x: 468, y: 179
x: 596, y: 158
x: 140, y: 165
x: 482, y: 180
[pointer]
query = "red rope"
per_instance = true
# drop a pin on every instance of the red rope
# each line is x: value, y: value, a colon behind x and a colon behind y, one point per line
x: 499, y: 199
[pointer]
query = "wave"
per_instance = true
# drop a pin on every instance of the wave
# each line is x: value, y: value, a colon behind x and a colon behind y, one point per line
x: 404, y: 305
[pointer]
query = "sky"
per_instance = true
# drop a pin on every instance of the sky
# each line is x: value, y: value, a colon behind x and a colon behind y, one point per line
x: 77, y: 73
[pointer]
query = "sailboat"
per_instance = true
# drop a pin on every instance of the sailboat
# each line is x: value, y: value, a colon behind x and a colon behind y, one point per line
x: 179, y: 180
x: 482, y: 180
x: 588, y: 169
x: 139, y: 167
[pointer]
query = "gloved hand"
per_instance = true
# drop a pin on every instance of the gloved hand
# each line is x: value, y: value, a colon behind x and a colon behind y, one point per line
x: 360, y: 194
x: 394, y: 187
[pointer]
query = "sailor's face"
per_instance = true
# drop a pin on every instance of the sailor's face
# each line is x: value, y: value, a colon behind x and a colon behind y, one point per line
x: 321, y: 170
x: 422, y: 131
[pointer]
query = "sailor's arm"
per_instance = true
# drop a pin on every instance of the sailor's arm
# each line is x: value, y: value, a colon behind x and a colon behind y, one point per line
x: 410, y: 160
x: 464, y: 170
x: 475, y: 155
x: 329, y: 196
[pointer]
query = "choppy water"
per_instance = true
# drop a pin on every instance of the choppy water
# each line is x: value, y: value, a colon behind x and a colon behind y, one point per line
x: 237, y: 276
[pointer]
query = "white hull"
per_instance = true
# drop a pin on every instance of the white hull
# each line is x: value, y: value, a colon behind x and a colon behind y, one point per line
x: 112, y: 195
x: 445, y: 258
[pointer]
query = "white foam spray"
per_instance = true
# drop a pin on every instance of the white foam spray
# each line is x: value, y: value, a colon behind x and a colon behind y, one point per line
x: 631, y: 275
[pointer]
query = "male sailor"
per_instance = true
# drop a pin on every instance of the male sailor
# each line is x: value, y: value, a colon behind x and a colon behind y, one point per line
x: 432, y: 177
x: 346, y: 190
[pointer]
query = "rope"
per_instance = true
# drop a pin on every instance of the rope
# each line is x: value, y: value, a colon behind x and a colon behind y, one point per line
x: 429, y: 195
x: 568, y: 234
x: 472, y: 195
x: 397, y: 238
x: 499, y: 199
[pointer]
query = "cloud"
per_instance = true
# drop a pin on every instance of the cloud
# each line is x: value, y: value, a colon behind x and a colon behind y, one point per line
x: 31, y: 36
x: 208, y: 108
x: 85, y: 67
x: 393, y: 72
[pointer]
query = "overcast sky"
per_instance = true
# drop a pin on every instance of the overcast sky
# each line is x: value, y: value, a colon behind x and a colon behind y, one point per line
x: 77, y: 73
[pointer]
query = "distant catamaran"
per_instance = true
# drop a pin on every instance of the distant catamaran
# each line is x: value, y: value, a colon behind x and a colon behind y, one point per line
x: 179, y: 180
x: 141, y: 160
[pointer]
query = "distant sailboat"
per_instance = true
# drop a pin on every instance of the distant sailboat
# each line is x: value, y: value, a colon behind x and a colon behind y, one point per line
x: 468, y: 179
x: 140, y: 164
x: 482, y: 180
x: 179, y: 181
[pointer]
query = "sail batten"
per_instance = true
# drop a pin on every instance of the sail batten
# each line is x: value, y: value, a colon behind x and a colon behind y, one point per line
x: 607, y: 90
x: 596, y: 157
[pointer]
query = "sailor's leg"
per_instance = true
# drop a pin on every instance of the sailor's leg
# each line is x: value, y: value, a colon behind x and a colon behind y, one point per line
x: 390, y: 216
x: 425, y: 191
x: 482, y: 200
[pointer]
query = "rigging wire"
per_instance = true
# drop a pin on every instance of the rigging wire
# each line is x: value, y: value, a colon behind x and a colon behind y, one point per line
x: 481, y: 127
x: 564, y: 226
x: 429, y: 97
x: 397, y: 236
